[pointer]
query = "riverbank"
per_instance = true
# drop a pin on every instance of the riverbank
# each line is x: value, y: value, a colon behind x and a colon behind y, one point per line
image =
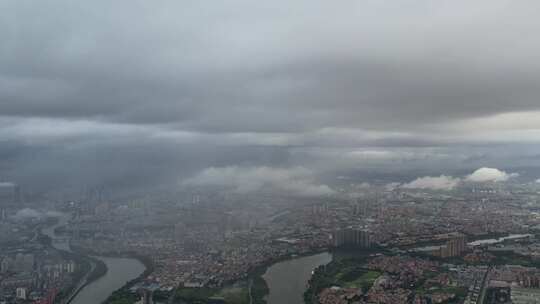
x: 97, y: 270
x: 123, y: 293
x: 101, y: 275
x: 253, y: 289
x: 120, y: 294
x: 88, y: 269
x: 146, y: 261
x: 333, y: 273
x: 258, y: 272
x: 287, y: 288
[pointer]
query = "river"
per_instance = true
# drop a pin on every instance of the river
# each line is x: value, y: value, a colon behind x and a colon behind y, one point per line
x: 476, y: 243
x: 288, y: 280
x: 119, y: 271
x: 499, y: 240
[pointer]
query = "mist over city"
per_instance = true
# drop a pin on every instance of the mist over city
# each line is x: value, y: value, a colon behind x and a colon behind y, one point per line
x: 242, y: 152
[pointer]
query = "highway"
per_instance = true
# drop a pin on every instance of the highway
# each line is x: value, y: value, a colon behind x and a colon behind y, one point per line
x: 485, y: 285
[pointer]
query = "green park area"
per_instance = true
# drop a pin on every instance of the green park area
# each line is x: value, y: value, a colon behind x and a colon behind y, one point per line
x: 239, y: 293
x: 364, y: 281
x: 347, y: 273
x: 229, y: 295
x: 352, y: 273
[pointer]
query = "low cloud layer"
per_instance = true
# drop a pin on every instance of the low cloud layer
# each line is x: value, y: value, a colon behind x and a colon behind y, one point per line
x: 29, y: 214
x: 295, y: 181
x: 442, y: 182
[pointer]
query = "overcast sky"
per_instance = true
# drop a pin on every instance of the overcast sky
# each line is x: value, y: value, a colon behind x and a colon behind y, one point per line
x: 130, y: 93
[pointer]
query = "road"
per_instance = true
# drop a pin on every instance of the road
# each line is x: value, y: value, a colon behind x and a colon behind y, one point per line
x: 250, y: 285
x: 173, y: 294
x: 82, y: 283
x: 485, y: 286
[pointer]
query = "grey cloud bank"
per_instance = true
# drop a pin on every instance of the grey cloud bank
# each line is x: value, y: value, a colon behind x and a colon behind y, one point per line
x: 131, y: 91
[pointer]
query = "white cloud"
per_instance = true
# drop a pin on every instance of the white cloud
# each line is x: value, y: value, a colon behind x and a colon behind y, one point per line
x: 442, y: 182
x: 27, y: 213
x: 364, y: 185
x: 445, y: 182
x: 295, y: 181
x: 538, y: 181
x: 391, y: 186
x: 489, y: 175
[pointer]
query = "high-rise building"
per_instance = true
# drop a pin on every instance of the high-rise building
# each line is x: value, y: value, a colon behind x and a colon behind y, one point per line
x: 180, y: 231
x: 352, y: 238
x: 146, y: 296
x: 10, y: 193
x: 21, y: 293
x: 522, y: 295
x: 6, y: 264
x: 454, y: 247
x: 10, y: 198
x: 529, y: 280
x: 321, y: 209
x: 49, y: 298
x: 360, y: 208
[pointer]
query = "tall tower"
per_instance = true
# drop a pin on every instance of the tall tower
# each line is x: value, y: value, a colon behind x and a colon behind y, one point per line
x: 146, y: 296
x: 10, y: 198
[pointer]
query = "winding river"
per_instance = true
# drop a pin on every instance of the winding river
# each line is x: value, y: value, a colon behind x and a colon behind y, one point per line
x: 119, y: 271
x: 288, y: 280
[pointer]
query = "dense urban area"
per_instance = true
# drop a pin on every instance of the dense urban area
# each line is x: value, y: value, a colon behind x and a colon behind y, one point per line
x: 474, y: 244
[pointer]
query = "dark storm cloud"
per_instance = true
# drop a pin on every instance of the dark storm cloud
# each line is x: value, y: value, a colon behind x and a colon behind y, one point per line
x: 236, y: 66
x: 264, y: 77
